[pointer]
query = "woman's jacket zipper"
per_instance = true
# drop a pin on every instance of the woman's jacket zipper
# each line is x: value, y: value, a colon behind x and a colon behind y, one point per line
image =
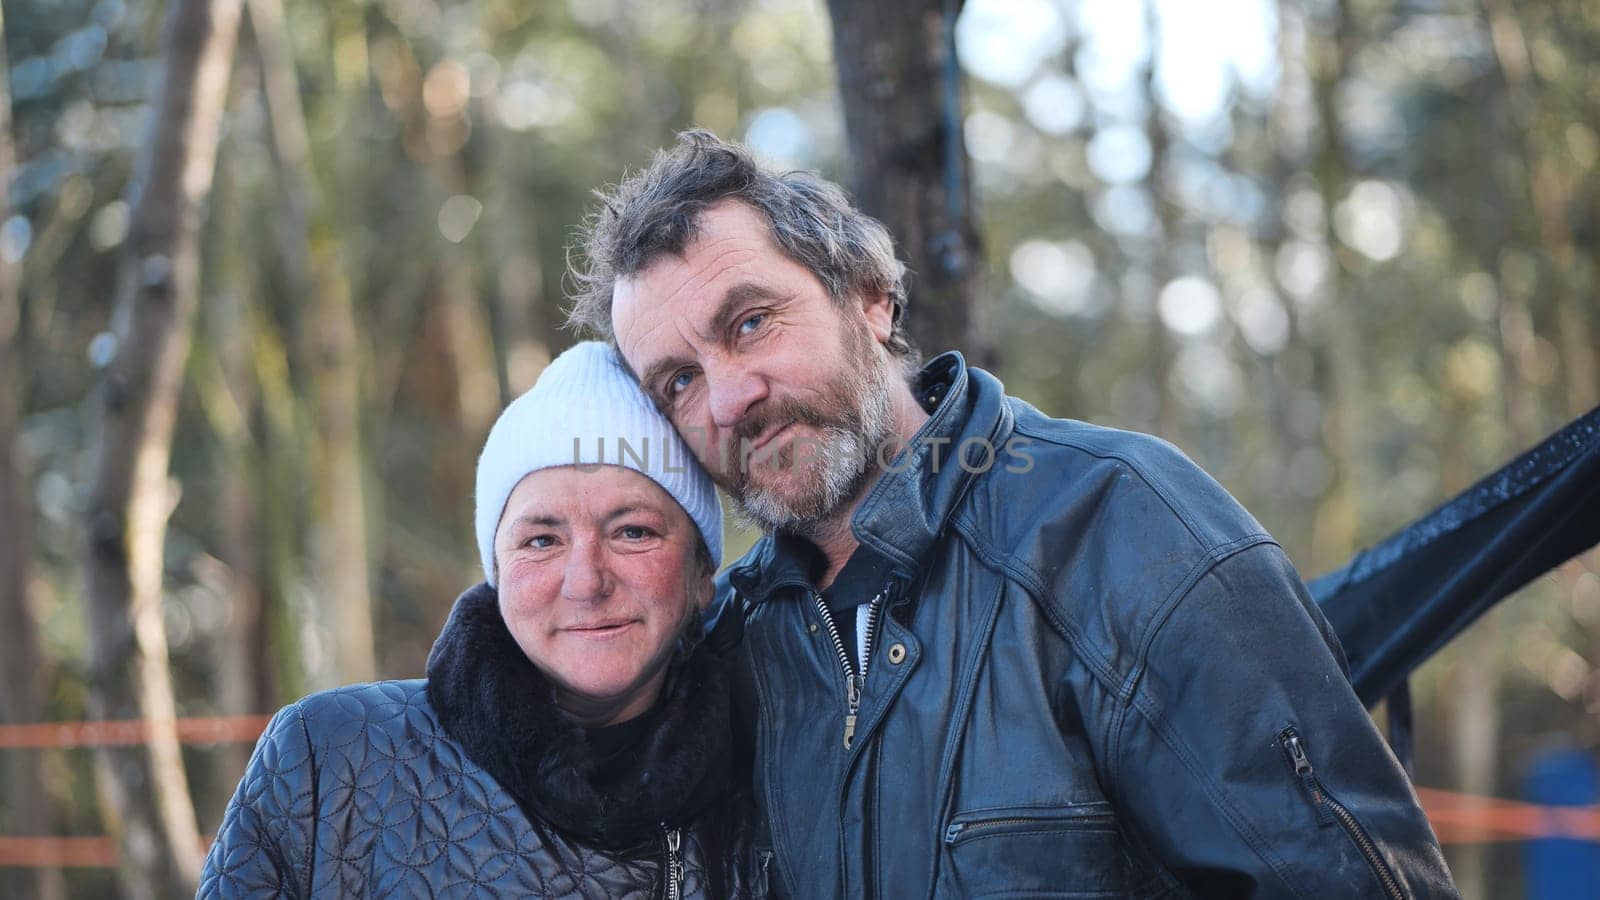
x: 672, y: 869
x: 854, y: 681
x: 1330, y: 810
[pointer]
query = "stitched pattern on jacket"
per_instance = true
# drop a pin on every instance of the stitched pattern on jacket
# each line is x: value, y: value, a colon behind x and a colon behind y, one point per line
x: 382, y: 803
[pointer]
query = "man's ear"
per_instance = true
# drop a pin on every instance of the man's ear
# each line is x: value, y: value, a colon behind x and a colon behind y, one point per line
x: 879, y: 309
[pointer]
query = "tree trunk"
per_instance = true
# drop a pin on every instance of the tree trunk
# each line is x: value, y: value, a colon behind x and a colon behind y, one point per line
x: 225, y: 381
x: 25, y: 677
x: 313, y: 255
x: 1475, y: 718
x: 909, y: 168
x: 1339, y: 521
x: 143, y: 790
x: 523, y: 316
x: 1548, y: 191
x: 282, y: 522
x: 1159, y: 258
x: 465, y: 320
x: 1475, y: 694
x: 1292, y: 521
x: 446, y: 124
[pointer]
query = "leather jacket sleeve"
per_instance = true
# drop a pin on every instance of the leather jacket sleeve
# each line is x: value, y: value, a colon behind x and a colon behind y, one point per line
x: 1245, y: 761
x: 263, y: 846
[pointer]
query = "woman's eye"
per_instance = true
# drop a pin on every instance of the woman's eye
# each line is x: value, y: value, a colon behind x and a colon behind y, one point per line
x: 540, y: 541
x: 752, y: 323
x: 635, y: 532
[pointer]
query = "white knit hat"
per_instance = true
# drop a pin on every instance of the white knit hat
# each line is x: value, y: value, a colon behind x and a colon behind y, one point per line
x: 587, y: 409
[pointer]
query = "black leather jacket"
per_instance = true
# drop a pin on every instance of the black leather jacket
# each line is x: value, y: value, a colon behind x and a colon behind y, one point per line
x: 1096, y: 675
x: 471, y: 784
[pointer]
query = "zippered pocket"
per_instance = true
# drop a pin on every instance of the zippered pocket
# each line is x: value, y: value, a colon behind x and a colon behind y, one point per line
x: 1330, y: 811
x: 993, y: 822
x: 1065, y: 851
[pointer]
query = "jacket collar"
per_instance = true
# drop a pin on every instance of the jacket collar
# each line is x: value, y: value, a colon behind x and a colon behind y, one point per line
x: 500, y: 708
x: 908, y: 507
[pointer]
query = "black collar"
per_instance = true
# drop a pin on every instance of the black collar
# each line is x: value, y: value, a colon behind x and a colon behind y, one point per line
x: 907, y: 509
x: 502, y: 711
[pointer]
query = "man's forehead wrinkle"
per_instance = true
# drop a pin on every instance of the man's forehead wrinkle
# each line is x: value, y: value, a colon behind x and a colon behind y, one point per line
x: 700, y: 311
x: 719, y: 261
x: 683, y: 282
x: 667, y: 358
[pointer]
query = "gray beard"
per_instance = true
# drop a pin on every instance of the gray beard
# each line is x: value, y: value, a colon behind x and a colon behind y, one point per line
x: 844, y: 462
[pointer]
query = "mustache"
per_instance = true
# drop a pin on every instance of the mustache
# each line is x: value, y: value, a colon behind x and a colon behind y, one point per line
x: 784, y: 412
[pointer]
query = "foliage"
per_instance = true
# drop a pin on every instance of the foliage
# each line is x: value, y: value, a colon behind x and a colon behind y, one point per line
x: 1340, y: 252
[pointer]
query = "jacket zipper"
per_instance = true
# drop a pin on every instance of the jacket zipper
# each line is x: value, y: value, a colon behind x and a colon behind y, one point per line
x: 1330, y: 810
x: 674, y: 865
x: 957, y: 829
x: 853, y: 681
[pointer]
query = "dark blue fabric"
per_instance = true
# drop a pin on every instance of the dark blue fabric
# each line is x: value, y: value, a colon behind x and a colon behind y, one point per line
x: 1562, y: 867
x: 395, y: 789
x: 1093, y: 685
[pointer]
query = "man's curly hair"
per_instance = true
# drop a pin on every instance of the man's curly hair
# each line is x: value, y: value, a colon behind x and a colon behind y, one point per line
x: 657, y: 211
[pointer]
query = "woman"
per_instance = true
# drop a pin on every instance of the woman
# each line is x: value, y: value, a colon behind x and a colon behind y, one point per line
x: 574, y: 736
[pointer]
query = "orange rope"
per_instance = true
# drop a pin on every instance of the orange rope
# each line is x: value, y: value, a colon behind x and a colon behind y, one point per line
x: 1468, y: 819
x: 1457, y: 818
x: 198, y: 730
x: 58, y: 852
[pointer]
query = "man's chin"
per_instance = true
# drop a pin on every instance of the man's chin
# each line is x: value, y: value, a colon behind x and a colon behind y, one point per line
x: 780, y: 504
x: 768, y: 513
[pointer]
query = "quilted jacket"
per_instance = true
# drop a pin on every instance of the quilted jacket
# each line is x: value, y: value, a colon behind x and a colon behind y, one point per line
x: 1095, y: 675
x: 470, y: 784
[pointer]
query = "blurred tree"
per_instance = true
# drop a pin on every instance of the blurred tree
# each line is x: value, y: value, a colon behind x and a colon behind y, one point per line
x: 1157, y: 251
x: 1550, y: 190
x: 311, y: 247
x: 900, y: 89
x: 221, y: 370
x: 1330, y: 54
x: 1117, y: 149
x: 146, y: 796
x: 24, y: 676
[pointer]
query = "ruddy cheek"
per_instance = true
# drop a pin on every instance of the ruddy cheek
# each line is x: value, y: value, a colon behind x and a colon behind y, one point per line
x: 527, y: 578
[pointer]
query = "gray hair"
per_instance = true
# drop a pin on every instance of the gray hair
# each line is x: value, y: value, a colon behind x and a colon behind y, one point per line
x: 657, y: 211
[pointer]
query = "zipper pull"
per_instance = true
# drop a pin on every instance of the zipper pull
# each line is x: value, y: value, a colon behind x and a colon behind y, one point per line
x: 675, y: 871
x: 1297, y: 754
x: 853, y: 687
x: 1308, y: 777
x: 954, y: 831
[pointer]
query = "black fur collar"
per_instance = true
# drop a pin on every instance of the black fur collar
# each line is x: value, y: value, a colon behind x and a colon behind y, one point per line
x: 501, y: 709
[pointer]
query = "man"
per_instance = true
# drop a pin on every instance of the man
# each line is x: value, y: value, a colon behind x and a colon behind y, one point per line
x: 994, y: 652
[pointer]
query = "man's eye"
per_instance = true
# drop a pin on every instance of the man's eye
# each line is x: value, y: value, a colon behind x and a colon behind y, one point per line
x: 752, y: 323
x: 540, y: 541
x: 679, y: 381
x: 634, y: 532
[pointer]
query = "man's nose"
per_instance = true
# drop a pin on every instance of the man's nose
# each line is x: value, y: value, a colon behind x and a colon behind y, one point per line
x: 733, y: 391
x: 584, y: 578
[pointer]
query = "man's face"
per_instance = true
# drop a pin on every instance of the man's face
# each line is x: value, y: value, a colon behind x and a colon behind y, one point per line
x: 783, y: 394
x: 598, y: 576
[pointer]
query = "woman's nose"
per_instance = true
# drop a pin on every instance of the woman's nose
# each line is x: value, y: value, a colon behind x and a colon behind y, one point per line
x: 585, y: 578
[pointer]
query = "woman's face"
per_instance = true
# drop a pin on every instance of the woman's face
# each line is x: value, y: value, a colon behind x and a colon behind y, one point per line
x: 598, y: 572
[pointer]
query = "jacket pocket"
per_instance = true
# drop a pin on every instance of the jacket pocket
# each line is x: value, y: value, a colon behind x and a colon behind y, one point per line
x: 1071, y: 851
x: 1329, y: 811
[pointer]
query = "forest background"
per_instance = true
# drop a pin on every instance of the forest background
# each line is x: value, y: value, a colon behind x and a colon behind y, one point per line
x: 1342, y: 252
